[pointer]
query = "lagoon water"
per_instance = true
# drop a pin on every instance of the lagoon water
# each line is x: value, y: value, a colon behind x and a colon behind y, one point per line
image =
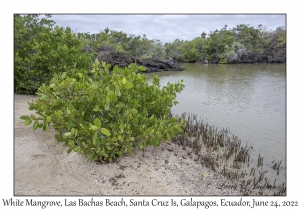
x: 248, y: 99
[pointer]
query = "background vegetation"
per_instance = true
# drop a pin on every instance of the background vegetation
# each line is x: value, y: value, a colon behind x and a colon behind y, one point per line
x: 41, y: 48
x: 221, y: 46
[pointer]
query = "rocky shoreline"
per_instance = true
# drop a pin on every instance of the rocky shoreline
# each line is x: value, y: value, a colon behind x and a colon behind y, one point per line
x: 106, y: 54
x: 123, y: 60
x: 271, y: 55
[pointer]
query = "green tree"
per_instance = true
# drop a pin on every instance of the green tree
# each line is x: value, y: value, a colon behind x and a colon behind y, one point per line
x: 103, y: 115
x: 217, y: 42
x: 233, y: 53
x: 174, y: 50
x: 275, y: 38
x: 250, y: 37
x: 190, y: 51
x: 41, y: 50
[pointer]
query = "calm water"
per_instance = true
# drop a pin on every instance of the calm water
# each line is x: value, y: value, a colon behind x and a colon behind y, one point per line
x: 248, y: 99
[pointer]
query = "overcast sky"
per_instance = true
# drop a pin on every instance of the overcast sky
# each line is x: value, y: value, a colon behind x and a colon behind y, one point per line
x: 165, y: 28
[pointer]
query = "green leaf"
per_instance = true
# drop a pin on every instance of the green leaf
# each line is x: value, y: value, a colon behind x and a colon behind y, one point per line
x: 124, y: 81
x: 141, y: 68
x: 67, y: 134
x: 111, y: 96
x: 119, y: 93
x: 27, y: 122
x: 101, y: 153
x: 107, y: 99
x: 77, y: 149
x: 70, y: 124
x: 168, y: 136
x: 105, y: 132
x: 87, y: 151
x: 25, y: 117
x: 97, y: 62
x: 76, y: 133
x: 35, y: 125
x: 63, y: 75
x: 95, y: 138
x: 180, y: 130
x: 49, y: 118
x: 69, y: 150
x: 97, y: 122
x: 128, y: 85
x: 93, y: 127
x: 116, y: 69
x: 135, y: 122
x: 73, y: 131
x: 108, y: 147
x: 92, y: 157
x: 106, y: 107
x: 96, y: 109
x: 71, y: 107
x: 43, y: 97
x: 33, y: 117
x: 59, y: 113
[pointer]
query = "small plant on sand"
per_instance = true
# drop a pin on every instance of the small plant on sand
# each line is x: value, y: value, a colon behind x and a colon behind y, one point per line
x: 202, y: 175
x: 101, y: 114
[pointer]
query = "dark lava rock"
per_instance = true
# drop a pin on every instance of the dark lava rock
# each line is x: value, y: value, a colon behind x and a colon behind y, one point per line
x: 122, y: 60
x: 271, y: 55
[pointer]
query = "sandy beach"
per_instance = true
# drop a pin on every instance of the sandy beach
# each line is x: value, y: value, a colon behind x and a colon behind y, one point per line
x: 43, y: 167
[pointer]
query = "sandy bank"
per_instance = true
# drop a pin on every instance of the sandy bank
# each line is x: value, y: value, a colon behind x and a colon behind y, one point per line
x: 43, y: 167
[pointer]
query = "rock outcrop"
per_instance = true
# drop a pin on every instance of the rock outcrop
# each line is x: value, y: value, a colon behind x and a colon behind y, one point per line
x: 122, y: 60
x: 271, y: 55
